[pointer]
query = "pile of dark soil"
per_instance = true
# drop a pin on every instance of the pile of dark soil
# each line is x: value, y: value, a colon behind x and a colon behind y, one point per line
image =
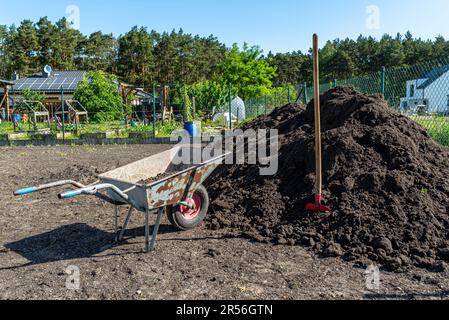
x: 386, y: 180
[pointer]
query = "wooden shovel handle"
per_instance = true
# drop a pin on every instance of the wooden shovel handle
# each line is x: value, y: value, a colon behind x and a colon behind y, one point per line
x: 316, y: 97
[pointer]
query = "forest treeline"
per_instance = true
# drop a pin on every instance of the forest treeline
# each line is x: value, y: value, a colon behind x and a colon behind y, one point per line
x: 144, y: 57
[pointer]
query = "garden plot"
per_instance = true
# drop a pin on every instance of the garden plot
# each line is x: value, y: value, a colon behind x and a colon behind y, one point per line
x: 42, y: 237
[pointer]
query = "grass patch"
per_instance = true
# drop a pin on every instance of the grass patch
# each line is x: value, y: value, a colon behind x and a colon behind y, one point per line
x: 119, y: 128
x: 6, y: 128
x: 436, y: 126
x: 164, y: 131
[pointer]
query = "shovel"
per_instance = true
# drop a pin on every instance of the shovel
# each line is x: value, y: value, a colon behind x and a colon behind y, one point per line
x: 317, y: 206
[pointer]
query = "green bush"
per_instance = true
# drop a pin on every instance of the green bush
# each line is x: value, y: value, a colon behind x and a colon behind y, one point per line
x: 33, y: 95
x: 99, y: 94
x: 167, y: 128
x: 208, y: 94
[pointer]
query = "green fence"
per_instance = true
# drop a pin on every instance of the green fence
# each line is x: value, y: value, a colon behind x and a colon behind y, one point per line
x: 279, y: 97
x: 420, y: 92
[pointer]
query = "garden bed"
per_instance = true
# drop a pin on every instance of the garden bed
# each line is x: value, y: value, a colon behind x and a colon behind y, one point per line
x: 37, y: 248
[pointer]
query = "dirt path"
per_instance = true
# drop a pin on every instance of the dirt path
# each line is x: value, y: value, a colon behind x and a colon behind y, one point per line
x: 41, y: 236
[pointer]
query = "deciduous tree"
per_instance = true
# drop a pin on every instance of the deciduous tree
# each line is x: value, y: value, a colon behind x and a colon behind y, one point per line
x: 248, y: 71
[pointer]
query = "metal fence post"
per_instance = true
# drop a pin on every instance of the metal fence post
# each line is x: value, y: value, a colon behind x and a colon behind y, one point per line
x: 62, y: 114
x: 335, y: 83
x: 382, y: 81
x: 164, y: 99
x: 238, y: 115
x: 193, y: 107
x: 306, y: 98
x: 230, y: 106
x: 288, y: 94
x: 186, y: 116
x: 266, y: 105
x: 274, y: 100
x: 154, y: 111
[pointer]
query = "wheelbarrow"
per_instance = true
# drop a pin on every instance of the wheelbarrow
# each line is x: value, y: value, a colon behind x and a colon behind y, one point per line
x: 181, y: 194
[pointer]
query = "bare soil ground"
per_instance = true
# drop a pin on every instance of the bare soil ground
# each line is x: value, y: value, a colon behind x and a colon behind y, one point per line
x: 41, y: 236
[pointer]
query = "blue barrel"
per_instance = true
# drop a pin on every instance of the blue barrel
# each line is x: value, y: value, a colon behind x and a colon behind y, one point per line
x: 192, y: 128
x: 16, y: 117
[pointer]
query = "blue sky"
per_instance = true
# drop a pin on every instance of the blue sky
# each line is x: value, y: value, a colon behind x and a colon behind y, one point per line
x: 276, y: 25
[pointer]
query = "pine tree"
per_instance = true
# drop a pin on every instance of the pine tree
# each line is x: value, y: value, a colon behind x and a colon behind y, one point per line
x: 341, y: 66
x: 5, y: 62
x: 97, y: 53
x: 46, y: 37
x: 67, y: 45
x: 135, y: 57
x: 167, y: 58
x: 23, y: 48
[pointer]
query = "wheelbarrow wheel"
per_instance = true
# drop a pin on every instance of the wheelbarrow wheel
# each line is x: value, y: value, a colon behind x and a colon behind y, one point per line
x: 185, y: 218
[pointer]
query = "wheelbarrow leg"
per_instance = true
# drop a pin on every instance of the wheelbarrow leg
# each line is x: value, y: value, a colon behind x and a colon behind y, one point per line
x: 147, y: 231
x: 116, y: 223
x: 125, y: 226
x: 160, y: 213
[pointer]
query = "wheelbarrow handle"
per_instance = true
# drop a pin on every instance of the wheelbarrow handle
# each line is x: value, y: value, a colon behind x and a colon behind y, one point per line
x: 25, y: 191
x: 92, y: 190
x: 29, y: 190
x: 70, y: 194
x: 78, y: 192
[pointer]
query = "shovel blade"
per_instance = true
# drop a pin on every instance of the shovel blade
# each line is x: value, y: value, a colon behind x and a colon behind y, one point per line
x: 317, y: 208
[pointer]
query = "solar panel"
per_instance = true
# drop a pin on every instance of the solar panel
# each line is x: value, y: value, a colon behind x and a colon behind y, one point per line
x: 67, y: 79
x: 72, y: 83
x: 53, y: 82
x: 35, y: 84
x: 62, y: 84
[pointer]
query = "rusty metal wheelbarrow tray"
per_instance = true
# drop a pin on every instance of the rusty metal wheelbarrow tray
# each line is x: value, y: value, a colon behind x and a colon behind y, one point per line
x: 168, y: 191
x: 126, y: 186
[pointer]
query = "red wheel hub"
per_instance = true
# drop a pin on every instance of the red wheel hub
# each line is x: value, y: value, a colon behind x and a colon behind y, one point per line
x: 188, y: 213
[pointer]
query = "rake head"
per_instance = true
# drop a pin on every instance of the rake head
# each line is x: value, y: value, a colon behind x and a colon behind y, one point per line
x: 317, y: 206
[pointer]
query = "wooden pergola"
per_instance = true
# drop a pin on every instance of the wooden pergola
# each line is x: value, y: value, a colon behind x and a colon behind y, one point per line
x: 4, y: 102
